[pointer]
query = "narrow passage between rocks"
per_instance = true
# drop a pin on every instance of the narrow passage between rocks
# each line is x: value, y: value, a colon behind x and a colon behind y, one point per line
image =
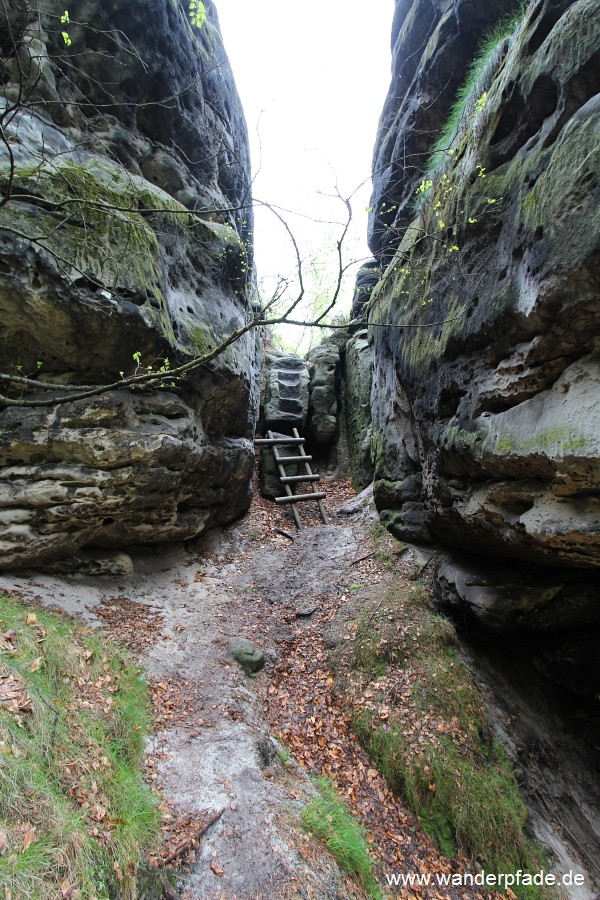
x: 234, y: 756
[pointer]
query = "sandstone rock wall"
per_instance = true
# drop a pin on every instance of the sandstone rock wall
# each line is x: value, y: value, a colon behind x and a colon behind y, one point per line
x: 303, y: 394
x: 324, y: 407
x: 358, y: 409
x: 125, y: 244
x: 284, y: 393
x: 485, y: 425
x: 433, y: 44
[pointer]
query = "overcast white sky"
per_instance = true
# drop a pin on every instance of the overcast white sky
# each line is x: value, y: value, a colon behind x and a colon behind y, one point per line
x: 312, y: 79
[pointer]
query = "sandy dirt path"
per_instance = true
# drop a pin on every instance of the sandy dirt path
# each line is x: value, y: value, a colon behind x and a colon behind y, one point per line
x: 212, y: 752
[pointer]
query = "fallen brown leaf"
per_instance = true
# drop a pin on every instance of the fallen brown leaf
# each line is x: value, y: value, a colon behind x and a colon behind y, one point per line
x: 218, y: 872
x: 29, y: 839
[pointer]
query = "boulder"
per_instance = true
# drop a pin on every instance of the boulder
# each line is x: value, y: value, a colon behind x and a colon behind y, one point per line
x: 361, y: 504
x: 250, y: 657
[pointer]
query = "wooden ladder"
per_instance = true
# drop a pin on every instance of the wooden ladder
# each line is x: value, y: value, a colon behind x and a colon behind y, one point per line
x: 287, y: 480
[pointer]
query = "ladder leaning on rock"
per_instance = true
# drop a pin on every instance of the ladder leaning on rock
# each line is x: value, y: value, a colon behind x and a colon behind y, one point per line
x: 287, y: 480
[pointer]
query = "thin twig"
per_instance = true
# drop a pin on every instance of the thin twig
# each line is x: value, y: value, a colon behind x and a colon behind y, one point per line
x: 361, y: 558
x: 185, y: 845
x: 54, y: 724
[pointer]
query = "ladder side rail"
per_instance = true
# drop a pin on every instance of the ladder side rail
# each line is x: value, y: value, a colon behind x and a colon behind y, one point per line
x: 319, y: 496
x: 287, y: 488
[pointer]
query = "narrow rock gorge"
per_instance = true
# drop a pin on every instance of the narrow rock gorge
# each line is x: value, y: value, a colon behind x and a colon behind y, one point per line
x: 460, y: 402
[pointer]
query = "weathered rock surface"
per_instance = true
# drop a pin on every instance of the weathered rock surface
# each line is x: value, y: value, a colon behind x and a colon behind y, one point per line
x: 358, y: 408
x: 367, y: 277
x: 324, y: 404
x: 121, y: 469
x: 285, y: 392
x: 486, y: 425
x: 105, y: 273
x: 516, y: 597
x: 433, y: 43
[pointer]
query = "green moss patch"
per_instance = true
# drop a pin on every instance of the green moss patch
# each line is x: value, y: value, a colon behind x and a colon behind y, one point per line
x: 329, y: 819
x: 92, y: 220
x: 418, y: 714
x: 470, y: 99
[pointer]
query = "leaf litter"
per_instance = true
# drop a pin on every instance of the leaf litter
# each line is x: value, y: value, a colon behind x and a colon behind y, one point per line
x: 298, y: 690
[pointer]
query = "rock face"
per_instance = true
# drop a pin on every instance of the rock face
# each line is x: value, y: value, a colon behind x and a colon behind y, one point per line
x: 358, y: 409
x: 486, y: 429
x: 285, y: 392
x: 323, y: 425
x: 119, y: 252
x: 366, y: 279
x: 515, y: 596
x: 433, y: 44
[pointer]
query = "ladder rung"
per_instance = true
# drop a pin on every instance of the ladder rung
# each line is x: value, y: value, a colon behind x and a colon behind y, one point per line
x: 294, y: 459
x: 293, y: 479
x: 298, y: 498
x: 270, y: 442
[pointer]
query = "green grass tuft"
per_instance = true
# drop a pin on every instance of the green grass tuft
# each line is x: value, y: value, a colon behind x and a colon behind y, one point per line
x: 480, y: 74
x: 329, y: 819
x: 74, y: 810
x: 457, y: 780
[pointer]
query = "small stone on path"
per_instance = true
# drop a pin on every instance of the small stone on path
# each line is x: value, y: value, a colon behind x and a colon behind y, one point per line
x: 250, y: 657
x: 303, y: 612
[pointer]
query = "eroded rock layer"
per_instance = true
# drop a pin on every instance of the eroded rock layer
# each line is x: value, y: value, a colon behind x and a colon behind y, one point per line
x: 486, y: 421
x: 124, y: 248
x: 285, y: 392
x: 324, y: 365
